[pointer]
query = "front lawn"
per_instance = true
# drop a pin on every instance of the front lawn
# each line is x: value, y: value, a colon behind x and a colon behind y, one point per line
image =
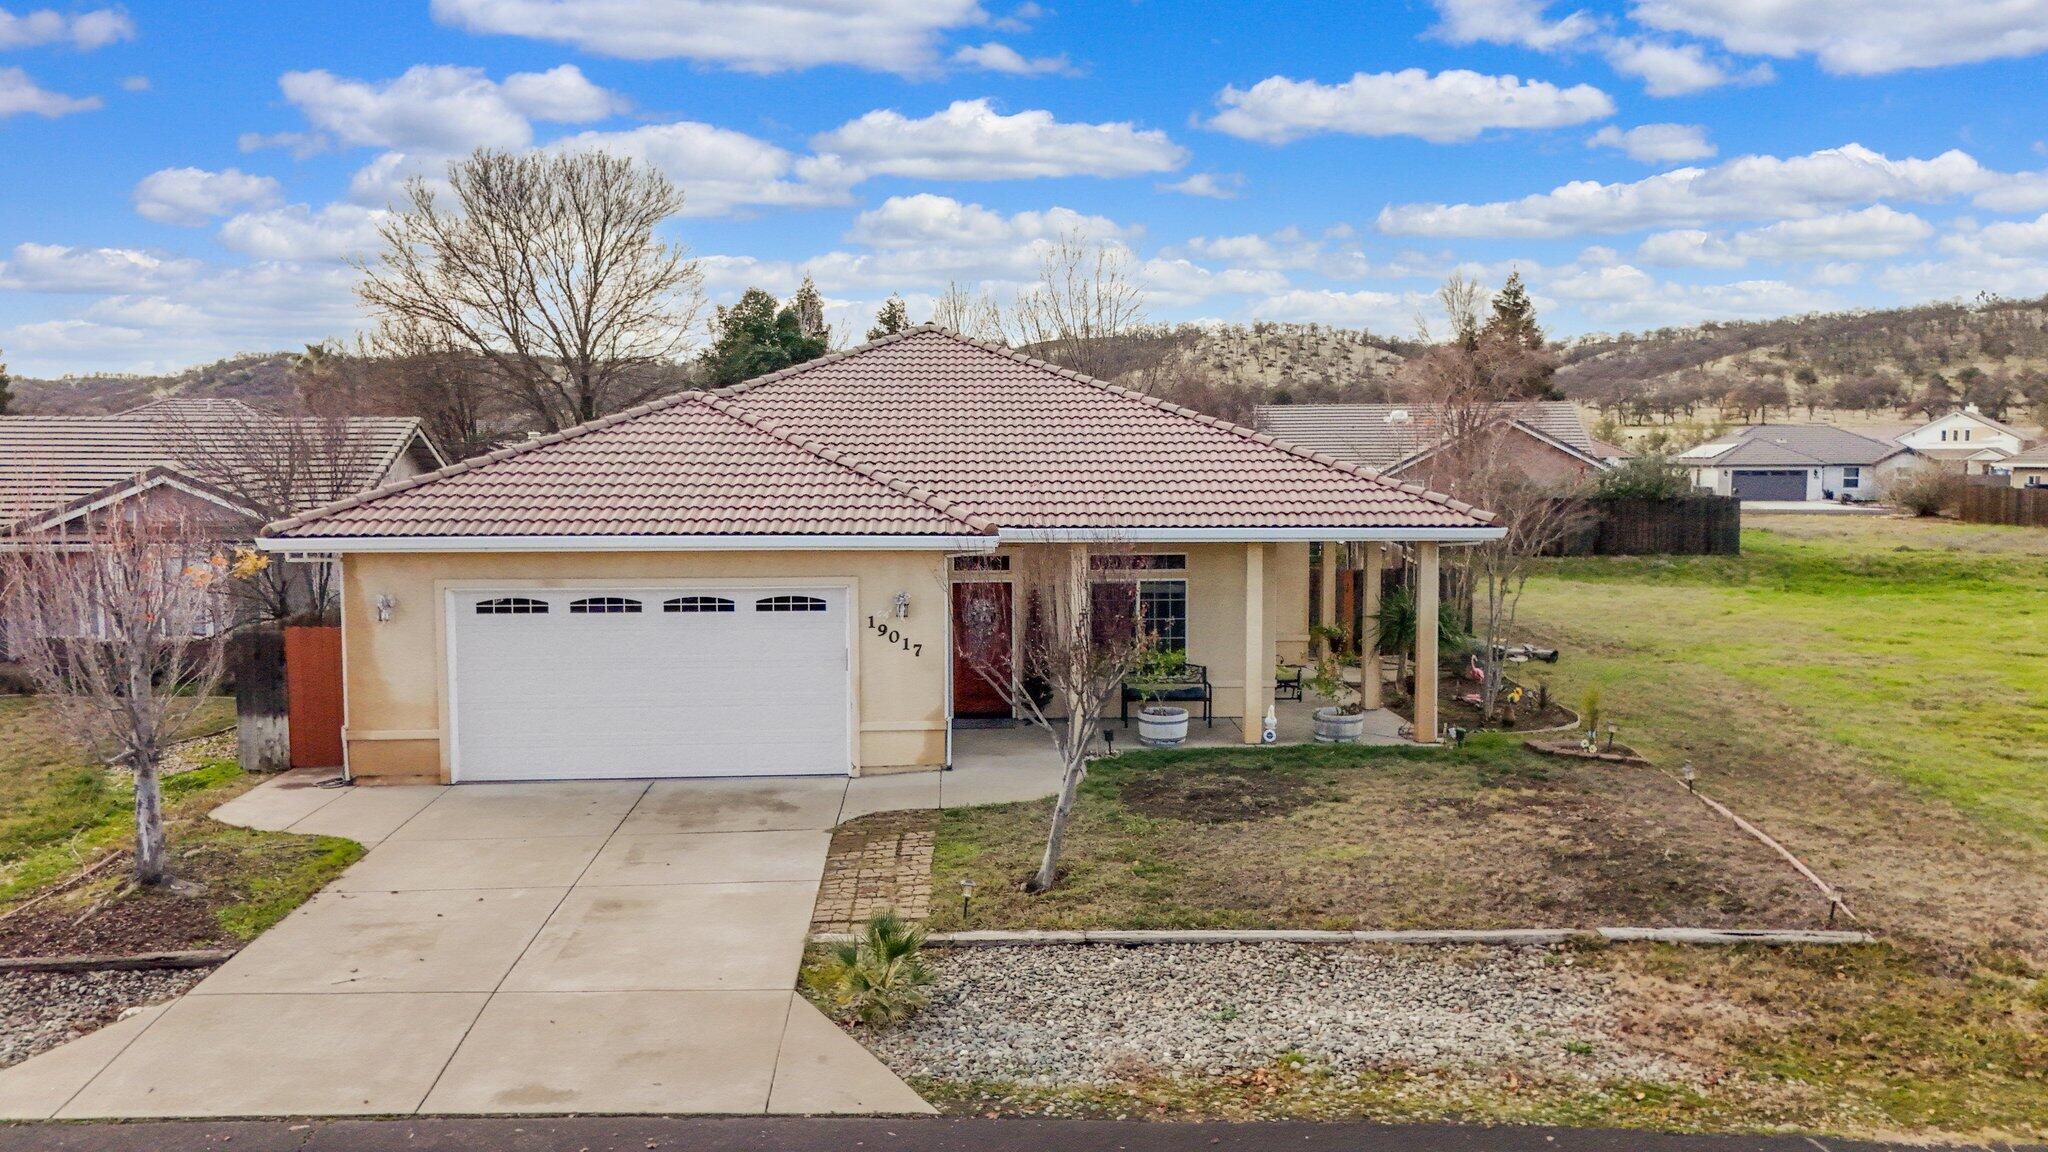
x: 59, y: 815
x: 1487, y: 836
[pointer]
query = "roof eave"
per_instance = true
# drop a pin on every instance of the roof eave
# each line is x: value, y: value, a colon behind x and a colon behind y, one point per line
x: 1443, y: 534
x: 853, y: 542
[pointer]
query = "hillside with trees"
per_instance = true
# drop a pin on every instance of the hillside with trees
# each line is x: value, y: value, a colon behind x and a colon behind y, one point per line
x: 1922, y: 360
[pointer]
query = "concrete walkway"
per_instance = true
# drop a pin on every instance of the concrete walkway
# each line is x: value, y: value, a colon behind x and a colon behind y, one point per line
x: 595, y: 947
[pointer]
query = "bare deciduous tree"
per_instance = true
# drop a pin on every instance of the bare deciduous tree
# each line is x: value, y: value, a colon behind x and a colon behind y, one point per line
x: 1076, y: 662
x: 972, y: 314
x: 548, y: 269
x: 1538, y: 519
x: 118, y: 624
x: 1083, y: 302
x: 277, y: 464
x: 406, y: 368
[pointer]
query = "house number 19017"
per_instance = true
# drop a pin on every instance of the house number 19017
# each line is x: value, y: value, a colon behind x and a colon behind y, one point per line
x: 895, y: 637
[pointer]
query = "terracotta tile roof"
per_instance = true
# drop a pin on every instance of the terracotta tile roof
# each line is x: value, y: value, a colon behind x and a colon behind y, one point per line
x: 686, y: 465
x: 924, y: 431
x: 48, y: 463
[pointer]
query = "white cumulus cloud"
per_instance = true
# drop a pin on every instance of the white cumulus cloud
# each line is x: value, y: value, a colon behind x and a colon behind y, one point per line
x: 19, y: 93
x: 1656, y: 143
x: 1677, y: 69
x: 996, y: 57
x: 1523, y: 22
x: 296, y: 232
x: 84, y: 31
x: 970, y: 140
x: 1446, y: 107
x: 900, y: 36
x: 1209, y: 185
x: 441, y: 108
x: 62, y: 268
x: 1746, y: 188
x: 192, y: 196
x: 1861, y: 37
x: 719, y: 169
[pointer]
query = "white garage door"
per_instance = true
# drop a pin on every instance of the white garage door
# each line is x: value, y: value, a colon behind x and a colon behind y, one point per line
x: 597, y: 683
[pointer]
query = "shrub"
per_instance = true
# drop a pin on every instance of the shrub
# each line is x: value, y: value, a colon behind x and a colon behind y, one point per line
x: 1925, y: 490
x: 1589, y: 710
x: 878, y: 979
x: 1647, y: 477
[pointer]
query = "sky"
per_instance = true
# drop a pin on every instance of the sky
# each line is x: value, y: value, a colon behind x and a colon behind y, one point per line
x: 180, y: 182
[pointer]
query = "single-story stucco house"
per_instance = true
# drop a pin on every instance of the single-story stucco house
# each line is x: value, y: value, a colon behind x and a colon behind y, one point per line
x: 2028, y: 469
x: 769, y: 578
x: 1795, y: 462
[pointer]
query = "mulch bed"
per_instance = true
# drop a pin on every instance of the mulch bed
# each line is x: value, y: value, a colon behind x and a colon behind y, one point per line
x: 1453, y: 709
x: 1612, y: 753
x: 142, y: 920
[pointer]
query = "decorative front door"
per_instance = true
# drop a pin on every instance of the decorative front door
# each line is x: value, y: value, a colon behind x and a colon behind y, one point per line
x: 981, y: 648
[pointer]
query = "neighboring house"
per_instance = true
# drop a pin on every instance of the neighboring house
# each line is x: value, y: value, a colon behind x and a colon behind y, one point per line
x: 1547, y: 439
x: 201, y: 460
x: 2028, y: 469
x: 1966, y: 439
x: 1795, y: 462
x: 769, y: 579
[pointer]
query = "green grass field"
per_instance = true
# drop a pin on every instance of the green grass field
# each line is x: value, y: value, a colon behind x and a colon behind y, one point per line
x: 1915, y: 648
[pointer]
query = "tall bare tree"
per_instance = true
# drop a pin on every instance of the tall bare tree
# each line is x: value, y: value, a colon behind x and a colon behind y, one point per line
x: 1538, y: 519
x: 548, y: 269
x: 1083, y: 302
x: 975, y: 315
x: 405, y: 368
x: 1077, y: 660
x: 277, y: 464
x: 118, y: 624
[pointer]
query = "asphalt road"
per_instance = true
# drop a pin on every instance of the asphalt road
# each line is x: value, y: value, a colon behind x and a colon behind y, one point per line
x: 651, y: 1134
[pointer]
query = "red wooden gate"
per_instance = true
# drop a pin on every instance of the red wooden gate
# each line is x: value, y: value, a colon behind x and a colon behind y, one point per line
x: 312, y: 679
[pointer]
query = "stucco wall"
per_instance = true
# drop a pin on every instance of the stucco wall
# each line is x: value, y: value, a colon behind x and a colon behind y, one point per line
x: 396, y: 712
x: 395, y: 706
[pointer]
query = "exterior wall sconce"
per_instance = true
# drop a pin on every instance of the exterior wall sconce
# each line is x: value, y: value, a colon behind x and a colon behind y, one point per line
x: 901, y: 605
x: 385, y: 605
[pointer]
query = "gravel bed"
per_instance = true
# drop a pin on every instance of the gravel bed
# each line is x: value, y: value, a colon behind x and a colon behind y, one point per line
x: 1091, y: 1015
x: 40, y: 1010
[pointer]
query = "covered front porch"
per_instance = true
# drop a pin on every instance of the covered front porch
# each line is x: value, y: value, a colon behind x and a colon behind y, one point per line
x: 1023, y: 749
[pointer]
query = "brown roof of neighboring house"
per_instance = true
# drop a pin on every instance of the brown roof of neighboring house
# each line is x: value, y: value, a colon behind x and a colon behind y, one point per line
x: 2035, y: 457
x: 1389, y: 435
x: 962, y: 435
x: 48, y: 463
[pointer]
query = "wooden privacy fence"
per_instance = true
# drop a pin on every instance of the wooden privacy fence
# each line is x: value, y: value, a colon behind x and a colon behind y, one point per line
x: 2021, y: 507
x: 1688, y: 526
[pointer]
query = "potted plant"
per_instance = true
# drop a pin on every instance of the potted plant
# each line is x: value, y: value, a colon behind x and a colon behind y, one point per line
x: 1342, y: 719
x: 1160, y: 725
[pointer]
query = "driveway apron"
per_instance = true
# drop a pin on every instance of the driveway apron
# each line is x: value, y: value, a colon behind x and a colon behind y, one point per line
x: 508, y: 948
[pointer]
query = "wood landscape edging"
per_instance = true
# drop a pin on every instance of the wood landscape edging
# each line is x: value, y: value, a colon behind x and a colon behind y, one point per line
x: 140, y: 962
x: 1511, y: 937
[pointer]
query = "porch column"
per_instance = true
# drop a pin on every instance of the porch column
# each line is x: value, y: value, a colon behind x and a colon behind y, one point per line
x: 1425, y: 641
x: 1369, y: 607
x: 1258, y: 646
x: 1326, y: 591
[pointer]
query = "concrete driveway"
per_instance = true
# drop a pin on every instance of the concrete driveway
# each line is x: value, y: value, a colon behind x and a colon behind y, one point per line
x: 591, y: 947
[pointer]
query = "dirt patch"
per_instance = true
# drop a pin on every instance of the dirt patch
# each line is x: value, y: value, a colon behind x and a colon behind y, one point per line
x: 1206, y: 796
x: 109, y: 919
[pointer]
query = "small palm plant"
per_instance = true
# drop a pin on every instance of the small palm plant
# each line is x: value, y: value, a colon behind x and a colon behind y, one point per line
x: 879, y: 978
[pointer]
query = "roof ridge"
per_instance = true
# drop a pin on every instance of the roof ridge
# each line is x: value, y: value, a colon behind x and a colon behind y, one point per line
x: 847, y: 460
x: 1238, y: 430
x: 472, y: 463
x: 731, y: 390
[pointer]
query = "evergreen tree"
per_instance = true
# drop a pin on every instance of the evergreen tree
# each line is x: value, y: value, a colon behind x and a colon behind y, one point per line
x: 756, y: 337
x: 809, y: 307
x: 1514, y: 316
x: 893, y: 318
x: 6, y: 393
